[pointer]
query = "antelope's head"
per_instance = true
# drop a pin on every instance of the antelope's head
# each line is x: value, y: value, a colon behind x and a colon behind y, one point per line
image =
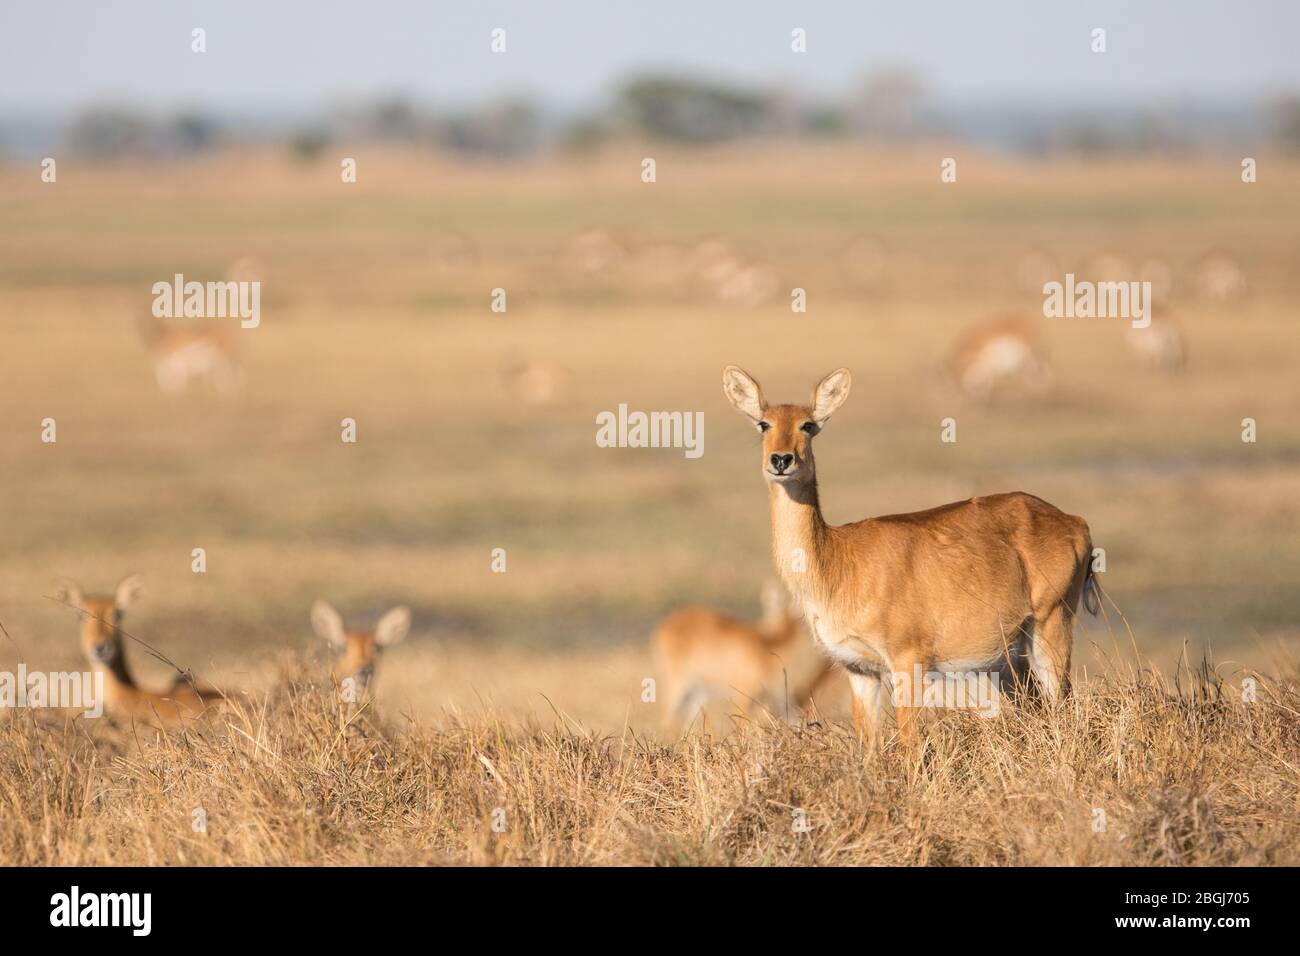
x: 787, y: 430
x: 101, y: 616
x: 358, y: 651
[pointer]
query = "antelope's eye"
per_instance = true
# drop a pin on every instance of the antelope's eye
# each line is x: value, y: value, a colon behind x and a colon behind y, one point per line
x: 764, y: 426
x: 808, y: 428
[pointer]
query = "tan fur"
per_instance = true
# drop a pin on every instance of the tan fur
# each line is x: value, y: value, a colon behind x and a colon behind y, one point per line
x: 960, y: 585
x: 101, y: 642
x: 707, y: 656
x: 998, y: 350
x: 182, y: 354
x: 199, y: 351
x: 358, y: 651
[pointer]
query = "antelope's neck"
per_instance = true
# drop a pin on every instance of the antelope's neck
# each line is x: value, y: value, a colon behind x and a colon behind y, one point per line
x: 800, y: 538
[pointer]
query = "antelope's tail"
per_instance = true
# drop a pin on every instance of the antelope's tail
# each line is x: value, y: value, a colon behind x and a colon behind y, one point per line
x: 1091, y: 590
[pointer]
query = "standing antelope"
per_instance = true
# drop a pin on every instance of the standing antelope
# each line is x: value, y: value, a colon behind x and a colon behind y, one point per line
x: 191, y: 353
x: 982, y: 585
x: 101, y: 642
x: 358, y: 651
x: 706, y: 656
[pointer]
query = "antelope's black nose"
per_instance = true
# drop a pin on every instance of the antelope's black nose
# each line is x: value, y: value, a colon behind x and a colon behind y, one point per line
x: 781, y: 462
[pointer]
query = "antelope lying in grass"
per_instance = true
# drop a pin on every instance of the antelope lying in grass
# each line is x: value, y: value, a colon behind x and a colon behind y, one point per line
x: 997, y: 351
x: 358, y: 651
x: 101, y: 642
x: 987, y: 585
x: 706, y: 657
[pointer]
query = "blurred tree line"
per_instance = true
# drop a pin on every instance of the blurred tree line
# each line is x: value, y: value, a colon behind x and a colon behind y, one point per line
x: 889, y: 105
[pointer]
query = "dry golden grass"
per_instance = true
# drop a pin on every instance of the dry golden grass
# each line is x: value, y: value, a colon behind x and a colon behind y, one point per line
x: 361, y: 319
x: 1188, y: 777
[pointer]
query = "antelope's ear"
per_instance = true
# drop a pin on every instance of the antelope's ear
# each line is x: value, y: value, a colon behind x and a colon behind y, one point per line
x: 393, y: 626
x: 830, y: 394
x: 128, y: 591
x: 327, y: 624
x: 743, y: 392
x: 67, y: 591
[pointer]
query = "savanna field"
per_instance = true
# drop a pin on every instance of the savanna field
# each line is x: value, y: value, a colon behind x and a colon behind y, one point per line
x: 518, y: 695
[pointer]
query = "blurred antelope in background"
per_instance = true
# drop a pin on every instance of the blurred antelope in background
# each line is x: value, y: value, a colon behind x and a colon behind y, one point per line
x: 1219, y: 276
x: 533, y: 381
x: 1161, y: 345
x: 709, y: 657
x: 988, y: 585
x: 1035, y: 268
x: 453, y: 252
x: 999, y: 351
x: 358, y: 651
x: 1109, y: 267
x: 723, y: 273
x: 101, y: 642
x: 1157, y: 272
x: 199, y: 350
x: 182, y: 354
x: 595, y: 251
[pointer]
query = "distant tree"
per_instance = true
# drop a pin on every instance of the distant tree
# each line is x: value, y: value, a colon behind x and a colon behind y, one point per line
x: 888, y: 105
x: 308, y: 144
x: 394, y: 119
x: 191, y: 132
x: 683, y: 109
x: 110, y: 131
x: 586, y: 133
x: 1285, y: 116
x: 503, y: 130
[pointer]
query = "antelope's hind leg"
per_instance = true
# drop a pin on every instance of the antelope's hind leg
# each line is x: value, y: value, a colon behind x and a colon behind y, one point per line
x: 868, y: 700
x: 1049, y: 652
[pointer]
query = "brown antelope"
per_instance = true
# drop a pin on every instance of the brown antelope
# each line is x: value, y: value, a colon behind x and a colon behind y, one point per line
x: 358, y: 651
x: 595, y: 251
x: 1157, y: 272
x: 1160, y: 345
x: 1219, y: 276
x: 1109, y: 267
x: 454, y: 251
x: 990, y: 585
x: 999, y: 351
x: 706, y: 656
x: 184, y: 353
x: 101, y: 642
x: 749, y: 284
x: 534, y: 381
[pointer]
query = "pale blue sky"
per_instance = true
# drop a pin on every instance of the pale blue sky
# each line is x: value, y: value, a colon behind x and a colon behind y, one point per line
x: 57, y: 54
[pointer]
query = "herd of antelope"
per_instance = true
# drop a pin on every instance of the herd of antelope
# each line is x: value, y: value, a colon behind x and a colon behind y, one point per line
x: 102, y: 644
x: 990, y: 584
x: 1001, y: 351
